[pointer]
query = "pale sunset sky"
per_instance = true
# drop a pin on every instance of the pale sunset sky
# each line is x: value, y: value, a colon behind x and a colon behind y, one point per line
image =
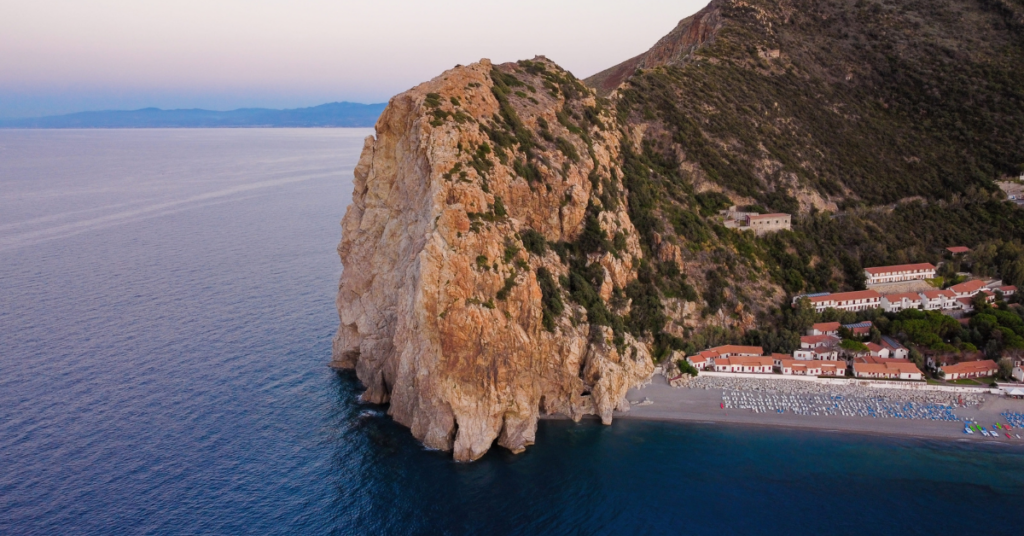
x: 60, y: 56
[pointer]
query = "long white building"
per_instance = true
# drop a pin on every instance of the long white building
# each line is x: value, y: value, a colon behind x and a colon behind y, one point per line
x: 901, y: 272
x: 847, y: 301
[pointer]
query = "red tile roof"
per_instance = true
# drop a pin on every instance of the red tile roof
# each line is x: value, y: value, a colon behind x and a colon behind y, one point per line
x: 958, y: 249
x: 873, y: 347
x: 815, y: 339
x: 968, y: 286
x: 826, y: 326
x: 971, y: 367
x: 876, y: 270
x: 736, y: 349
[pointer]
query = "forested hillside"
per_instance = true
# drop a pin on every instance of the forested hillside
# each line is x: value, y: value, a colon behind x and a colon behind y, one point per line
x: 881, y: 125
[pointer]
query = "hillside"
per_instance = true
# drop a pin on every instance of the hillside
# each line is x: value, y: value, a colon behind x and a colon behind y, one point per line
x: 521, y: 244
x: 335, y: 114
x: 880, y: 125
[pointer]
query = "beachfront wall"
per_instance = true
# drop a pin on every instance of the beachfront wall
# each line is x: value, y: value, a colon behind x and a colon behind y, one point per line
x: 903, y: 272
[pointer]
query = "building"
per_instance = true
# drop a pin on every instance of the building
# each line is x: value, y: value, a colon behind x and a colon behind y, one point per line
x: 894, y: 303
x: 811, y: 368
x: 901, y: 272
x: 824, y: 328
x: 860, y: 329
x: 1018, y: 372
x: 824, y: 353
x: 891, y: 369
x: 817, y: 348
x: 707, y: 359
x: 749, y: 364
x: 767, y: 223
x: 699, y: 362
x: 847, y: 301
x: 817, y: 341
x: 970, y: 369
x: 967, y: 289
x: 935, y: 300
x: 730, y: 350
x: 1008, y: 290
x: 896, y: 350
x: 958, y: 250
x: 877, y: 350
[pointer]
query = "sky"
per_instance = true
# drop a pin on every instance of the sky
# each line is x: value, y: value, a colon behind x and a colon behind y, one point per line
x: 61, y: 56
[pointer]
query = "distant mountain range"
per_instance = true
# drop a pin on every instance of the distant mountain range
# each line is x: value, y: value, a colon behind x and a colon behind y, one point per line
x: 335, y: 114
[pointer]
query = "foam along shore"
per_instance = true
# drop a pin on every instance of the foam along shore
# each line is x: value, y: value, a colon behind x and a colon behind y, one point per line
x: 823, y: 406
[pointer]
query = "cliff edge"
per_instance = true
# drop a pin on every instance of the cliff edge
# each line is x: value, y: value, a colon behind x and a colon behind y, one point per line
x: 487, y: 196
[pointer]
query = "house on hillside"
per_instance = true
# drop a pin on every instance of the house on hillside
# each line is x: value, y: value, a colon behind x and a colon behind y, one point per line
x: 824, y: 328
x: 967, y: 289
x: 894, y: 303
x: 896, y: 350
x: 901, y: 272
x: 958, y: 250
x: 767, y: 223
x: 845, y: 301
x: 937, y: 300
x: 877, y: 350
x: 818, y: 348
x: 860, y: 329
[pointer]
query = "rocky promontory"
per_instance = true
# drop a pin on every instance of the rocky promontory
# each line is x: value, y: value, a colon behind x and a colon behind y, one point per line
x: 486, y: 252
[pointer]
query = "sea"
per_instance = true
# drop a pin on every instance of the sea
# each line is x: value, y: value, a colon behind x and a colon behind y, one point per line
x: 166, y: 312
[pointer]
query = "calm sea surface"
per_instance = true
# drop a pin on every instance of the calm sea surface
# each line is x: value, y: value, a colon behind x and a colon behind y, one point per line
x: 166, y: 309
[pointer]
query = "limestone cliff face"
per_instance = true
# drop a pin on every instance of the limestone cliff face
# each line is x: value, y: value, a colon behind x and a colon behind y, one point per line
x: 478, y: 192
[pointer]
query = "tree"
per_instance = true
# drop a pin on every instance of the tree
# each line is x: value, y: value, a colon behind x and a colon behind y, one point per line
x: 916, y: 357
x: 853, y: 346
x: 979, y: 301
x: 1006, y: 368
x: 876, y: 336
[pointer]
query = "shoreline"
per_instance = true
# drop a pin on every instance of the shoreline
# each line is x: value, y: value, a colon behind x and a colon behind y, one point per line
x: 700, y: 405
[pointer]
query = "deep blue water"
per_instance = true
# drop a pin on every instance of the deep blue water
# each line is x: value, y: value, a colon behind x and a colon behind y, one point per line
x: 166, y: 309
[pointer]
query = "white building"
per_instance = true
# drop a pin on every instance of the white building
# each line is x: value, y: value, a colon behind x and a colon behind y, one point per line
x: 902, y: 272
x: 936, y: 300
x: 847, y: 301
x: 824, y: 328
x: 894, y: 303
x: 896, y: 350
x: 750, y: 364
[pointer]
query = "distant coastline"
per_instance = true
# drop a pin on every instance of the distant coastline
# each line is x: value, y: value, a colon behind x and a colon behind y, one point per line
x: 331, y: 115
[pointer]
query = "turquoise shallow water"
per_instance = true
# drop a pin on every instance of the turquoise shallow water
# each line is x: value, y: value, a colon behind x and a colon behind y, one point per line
x: 166, y: 308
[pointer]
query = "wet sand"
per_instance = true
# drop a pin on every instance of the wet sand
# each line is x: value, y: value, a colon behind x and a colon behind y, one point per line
x: 703, y: 405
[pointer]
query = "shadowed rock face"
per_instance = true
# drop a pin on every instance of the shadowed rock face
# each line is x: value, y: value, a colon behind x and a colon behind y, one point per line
x: 673, y: 49
x: 442, y: 309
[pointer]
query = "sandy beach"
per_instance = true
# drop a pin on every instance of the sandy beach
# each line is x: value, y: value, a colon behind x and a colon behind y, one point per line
x: 669, y: 403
